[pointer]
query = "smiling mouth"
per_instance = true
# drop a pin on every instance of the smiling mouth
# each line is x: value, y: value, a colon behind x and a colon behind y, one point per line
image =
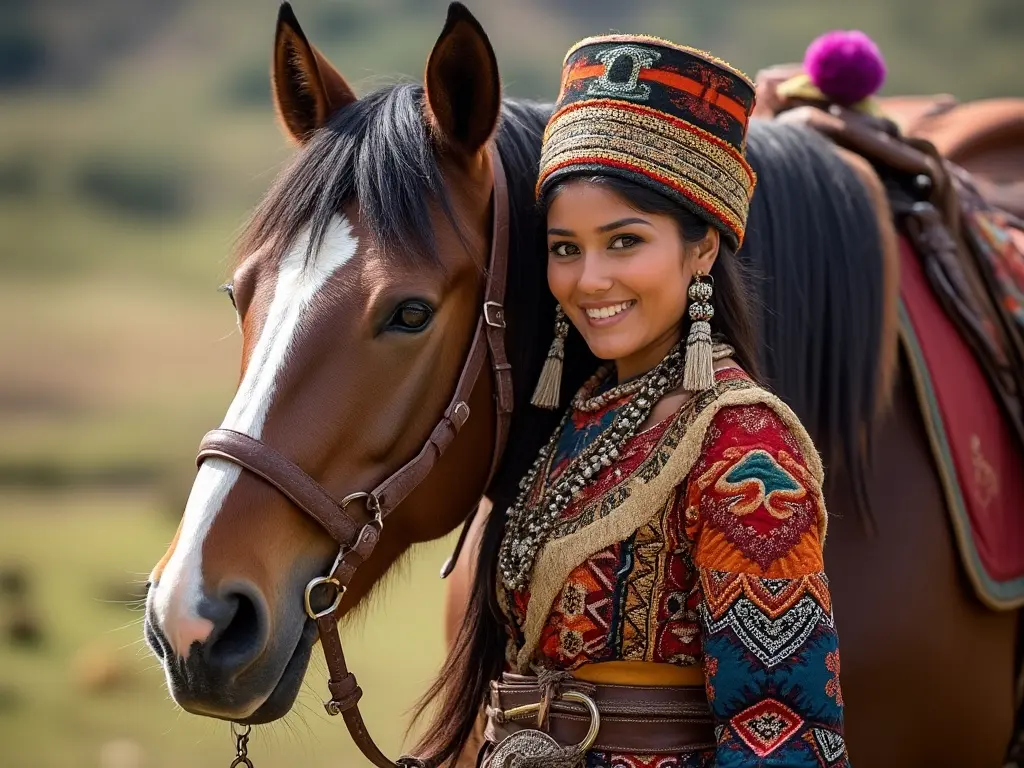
x: 603, y: 316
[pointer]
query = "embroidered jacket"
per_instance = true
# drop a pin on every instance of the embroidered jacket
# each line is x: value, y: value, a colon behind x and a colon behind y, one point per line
x: 702, y: 545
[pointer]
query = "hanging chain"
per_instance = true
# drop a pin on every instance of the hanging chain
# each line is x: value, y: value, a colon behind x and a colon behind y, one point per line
x: 241, y: 747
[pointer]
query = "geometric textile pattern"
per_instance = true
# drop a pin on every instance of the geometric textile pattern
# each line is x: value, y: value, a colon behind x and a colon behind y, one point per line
x: 830, y: 744
x: 728, y: 576
x: 700, y: 759
x: 766, y: 726
x: 773, y: 641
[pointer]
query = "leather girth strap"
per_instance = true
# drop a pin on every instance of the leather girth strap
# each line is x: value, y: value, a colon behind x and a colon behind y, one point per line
x: 357, y: 534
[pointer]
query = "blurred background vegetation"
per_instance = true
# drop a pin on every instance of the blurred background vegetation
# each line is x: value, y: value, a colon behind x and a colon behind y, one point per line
x: 134, y: 137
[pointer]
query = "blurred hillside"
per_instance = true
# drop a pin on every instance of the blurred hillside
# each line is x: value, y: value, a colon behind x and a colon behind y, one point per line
x: 134, y: 137
x: 157, y: 111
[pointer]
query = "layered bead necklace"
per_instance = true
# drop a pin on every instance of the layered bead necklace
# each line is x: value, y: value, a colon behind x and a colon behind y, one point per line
x: 529, y: 525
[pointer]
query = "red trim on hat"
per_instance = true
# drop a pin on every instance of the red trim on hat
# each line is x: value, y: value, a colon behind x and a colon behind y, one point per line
x: 679, y: 123
x: 667, y: 181
x: 671, y: 79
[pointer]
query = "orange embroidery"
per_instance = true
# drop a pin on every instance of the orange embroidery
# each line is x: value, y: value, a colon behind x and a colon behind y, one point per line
x: 710, y: 670
x: 832, y: 686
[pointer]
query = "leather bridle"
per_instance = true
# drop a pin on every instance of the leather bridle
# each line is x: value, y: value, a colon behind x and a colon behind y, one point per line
x: 355, y: 536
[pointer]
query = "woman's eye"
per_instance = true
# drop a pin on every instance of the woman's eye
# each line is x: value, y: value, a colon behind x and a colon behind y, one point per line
x: 411, y: 316
x: 229, y: 289
x: 624, y: 241
x: 564, y: 249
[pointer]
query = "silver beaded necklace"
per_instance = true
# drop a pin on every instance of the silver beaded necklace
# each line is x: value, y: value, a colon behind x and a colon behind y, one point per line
x: 586, y: 401
x: 529, y: 525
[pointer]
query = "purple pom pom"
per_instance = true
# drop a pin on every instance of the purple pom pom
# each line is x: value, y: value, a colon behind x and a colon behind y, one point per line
x: 846, y: 66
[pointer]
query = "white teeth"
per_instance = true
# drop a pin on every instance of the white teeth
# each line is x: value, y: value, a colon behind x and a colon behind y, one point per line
x: 603, y: 312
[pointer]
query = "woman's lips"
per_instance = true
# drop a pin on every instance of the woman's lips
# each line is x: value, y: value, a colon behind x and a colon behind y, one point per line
x: 608, y: 315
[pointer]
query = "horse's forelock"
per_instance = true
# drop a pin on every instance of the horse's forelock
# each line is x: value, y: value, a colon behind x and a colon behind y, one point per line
x: 376, y: 151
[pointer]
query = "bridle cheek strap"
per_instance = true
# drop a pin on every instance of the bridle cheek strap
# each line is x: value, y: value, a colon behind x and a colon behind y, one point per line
x: 357, y: 535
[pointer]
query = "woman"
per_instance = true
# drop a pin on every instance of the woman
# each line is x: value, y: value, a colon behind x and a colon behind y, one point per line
x: 660, y: 576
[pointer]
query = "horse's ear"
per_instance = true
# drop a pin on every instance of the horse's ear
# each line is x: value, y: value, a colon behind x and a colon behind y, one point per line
x: 307, y: 88
x: 462, y: 84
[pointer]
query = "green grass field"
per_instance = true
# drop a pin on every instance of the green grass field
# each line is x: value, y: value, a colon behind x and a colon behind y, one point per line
x: 85, y: 554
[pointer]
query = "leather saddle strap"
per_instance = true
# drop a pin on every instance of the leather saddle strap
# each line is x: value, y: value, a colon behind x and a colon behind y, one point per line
x: 282, y: 473
x: 345, y: 692
x: 344, y: 688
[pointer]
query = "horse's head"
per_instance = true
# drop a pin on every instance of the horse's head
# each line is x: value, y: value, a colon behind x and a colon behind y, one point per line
x: 358, y: 288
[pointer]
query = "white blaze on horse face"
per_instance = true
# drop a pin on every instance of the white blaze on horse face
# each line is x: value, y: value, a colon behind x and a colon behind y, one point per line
x: 177, y: 596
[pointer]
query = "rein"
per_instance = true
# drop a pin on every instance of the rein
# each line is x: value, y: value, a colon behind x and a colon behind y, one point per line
x: 355, y: 536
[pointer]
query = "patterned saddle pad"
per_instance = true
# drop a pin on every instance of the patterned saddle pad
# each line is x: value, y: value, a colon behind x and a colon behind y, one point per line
x: 976, y: 453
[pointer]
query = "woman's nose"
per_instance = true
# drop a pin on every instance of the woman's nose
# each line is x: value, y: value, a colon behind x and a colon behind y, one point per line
x: 594, y: 275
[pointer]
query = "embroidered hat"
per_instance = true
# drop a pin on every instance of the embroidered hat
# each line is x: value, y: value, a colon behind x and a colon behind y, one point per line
x: 666, y: 116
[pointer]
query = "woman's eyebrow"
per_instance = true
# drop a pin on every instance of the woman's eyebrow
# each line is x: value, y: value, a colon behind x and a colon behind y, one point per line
x: 603, y: 228
x: 623, y: 223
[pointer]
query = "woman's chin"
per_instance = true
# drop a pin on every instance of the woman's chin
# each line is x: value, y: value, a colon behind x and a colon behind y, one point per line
x: 611, y: 343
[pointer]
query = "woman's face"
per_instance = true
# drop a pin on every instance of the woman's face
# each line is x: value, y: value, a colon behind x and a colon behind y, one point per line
x: 620, y: 274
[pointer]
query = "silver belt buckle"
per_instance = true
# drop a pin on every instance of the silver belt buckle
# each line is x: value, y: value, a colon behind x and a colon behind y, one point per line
x: 537, y: 745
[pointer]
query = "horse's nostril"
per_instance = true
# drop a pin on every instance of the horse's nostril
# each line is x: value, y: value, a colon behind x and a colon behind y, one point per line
x: 154, y: 638
x: 239, y: 634
x: 241, y: 631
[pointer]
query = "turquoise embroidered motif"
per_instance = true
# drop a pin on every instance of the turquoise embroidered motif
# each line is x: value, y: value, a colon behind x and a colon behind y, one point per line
x: 760, y: 480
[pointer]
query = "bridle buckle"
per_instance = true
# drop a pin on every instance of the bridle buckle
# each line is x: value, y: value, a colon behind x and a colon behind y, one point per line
x: 494, y: 314
x: 321, y: 581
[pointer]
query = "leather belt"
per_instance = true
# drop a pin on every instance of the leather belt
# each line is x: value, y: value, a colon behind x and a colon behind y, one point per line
x: 633, y: 719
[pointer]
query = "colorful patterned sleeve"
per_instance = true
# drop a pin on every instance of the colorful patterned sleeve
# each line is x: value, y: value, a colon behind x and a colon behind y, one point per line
x: 755, y: 515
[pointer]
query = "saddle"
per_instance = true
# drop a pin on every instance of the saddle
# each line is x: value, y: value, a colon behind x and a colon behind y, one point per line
x: 961, y: 298
x: 985, y: 138
x: 949, y: 216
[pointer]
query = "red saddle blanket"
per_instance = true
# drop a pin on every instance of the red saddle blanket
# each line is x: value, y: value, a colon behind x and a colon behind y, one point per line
x: 978, y: 459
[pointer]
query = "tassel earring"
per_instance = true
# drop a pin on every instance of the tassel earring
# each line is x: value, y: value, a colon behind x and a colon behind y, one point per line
x: 699, y: 368
x: 550, y: 383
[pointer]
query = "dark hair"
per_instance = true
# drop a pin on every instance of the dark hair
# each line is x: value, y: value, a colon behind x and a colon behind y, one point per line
x: 733, y: 299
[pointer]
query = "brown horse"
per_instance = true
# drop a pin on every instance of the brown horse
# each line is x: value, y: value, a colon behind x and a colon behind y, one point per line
x: 358, y: 285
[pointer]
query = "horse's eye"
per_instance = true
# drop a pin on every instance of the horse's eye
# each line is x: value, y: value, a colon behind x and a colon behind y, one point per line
x: 411, y: 316
x: 229, y: 289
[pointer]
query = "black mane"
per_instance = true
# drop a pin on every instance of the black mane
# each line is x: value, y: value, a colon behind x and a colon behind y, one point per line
x: 814, y: 242
x: 378, y: 151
